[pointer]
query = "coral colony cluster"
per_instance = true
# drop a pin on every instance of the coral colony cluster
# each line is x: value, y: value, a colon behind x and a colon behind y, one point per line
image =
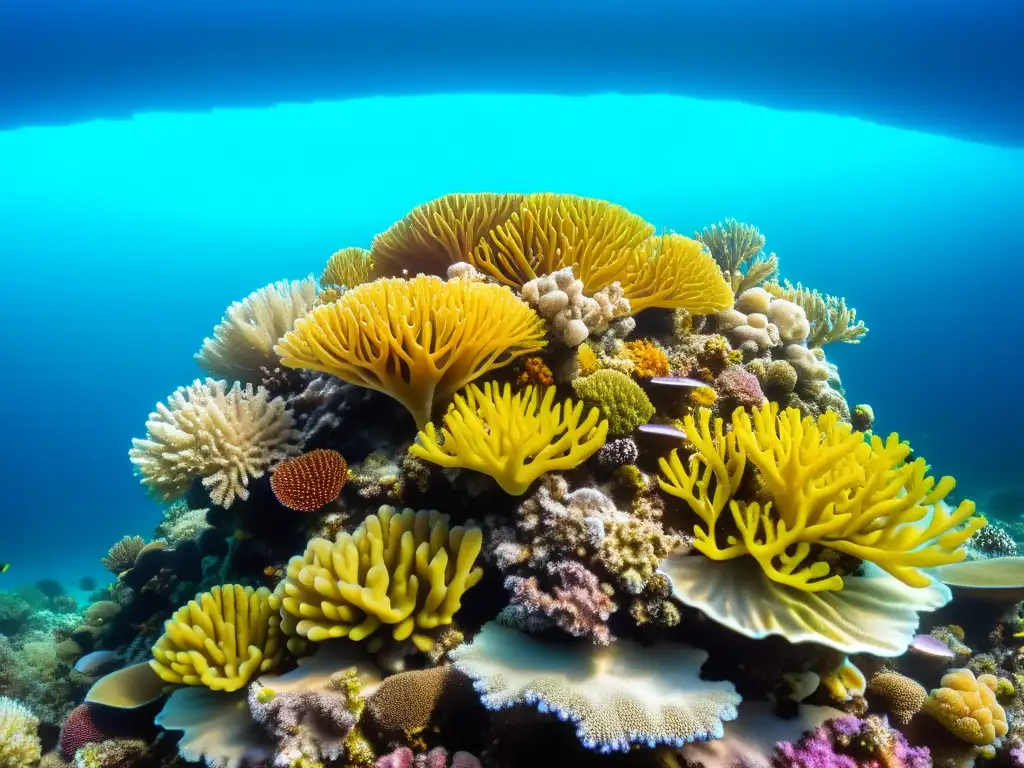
x: 528, y: 481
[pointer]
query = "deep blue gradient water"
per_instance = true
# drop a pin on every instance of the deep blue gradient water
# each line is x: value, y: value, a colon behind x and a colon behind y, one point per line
x: 123, y: 242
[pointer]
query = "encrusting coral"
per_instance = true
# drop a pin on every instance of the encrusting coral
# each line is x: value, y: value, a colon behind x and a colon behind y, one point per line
x: 418, y: 341
x: 403, y: 569
x: 513, y: 438
x: 243, y: 343
x: 221, y: 639
x: 226, y: 437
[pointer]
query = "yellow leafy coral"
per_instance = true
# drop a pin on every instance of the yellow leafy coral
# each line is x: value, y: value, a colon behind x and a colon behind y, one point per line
x: 403, y: 569
x: 967, y: 707
x: 674, y: 272
x: 513, y: 438
x: 418, y: 341
x: 221, y: 639
x: 348, y: 267
x: 828, y: 486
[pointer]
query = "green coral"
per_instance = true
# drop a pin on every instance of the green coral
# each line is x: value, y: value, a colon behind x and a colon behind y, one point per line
x: 618, y: 397
x: 113, y: 753
x: 737, y: 248
x: 831, y: 320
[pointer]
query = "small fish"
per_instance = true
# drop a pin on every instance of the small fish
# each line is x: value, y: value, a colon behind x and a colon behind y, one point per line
x: 4, y: 567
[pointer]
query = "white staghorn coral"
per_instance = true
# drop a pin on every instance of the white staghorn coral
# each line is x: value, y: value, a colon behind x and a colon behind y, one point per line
x: 243, y: 342
x: 224, y: 436
x: 19, y: 742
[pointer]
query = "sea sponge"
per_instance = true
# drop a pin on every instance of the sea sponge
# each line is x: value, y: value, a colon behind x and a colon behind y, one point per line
x: 19, y: 743
x: 513, y: 438
x: 825, y: 485
x: 404, y: 704
x: 221, y: 639
x: 754, y: 300
x: 674, y: 272
x: 79, y: 728
x: 311, y: 481
x: 790, y: 319
x: 243, y: 342
x: 403, y: 569
x: 418, y: 341
x: 346, y: 268
x: 737, y: 249
x: 897, y: 694
x: 616, y: 696
x: 224, y: 436
x: 619, y: 399
x: 779, y: 376
x: 967, y: 707
x: 574, y: 317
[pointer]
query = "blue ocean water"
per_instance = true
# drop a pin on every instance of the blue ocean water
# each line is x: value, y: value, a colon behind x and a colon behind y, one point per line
x: 124, y: 241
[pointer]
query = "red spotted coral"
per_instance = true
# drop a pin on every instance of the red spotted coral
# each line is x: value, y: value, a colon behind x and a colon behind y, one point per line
x: 79, y: 729
x: 308, y: 482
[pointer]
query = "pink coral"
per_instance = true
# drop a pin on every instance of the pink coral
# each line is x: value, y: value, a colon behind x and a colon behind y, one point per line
x: 403, y: 757
x: 739, y: 388
x: 79, y: 729
x: 577, y: 604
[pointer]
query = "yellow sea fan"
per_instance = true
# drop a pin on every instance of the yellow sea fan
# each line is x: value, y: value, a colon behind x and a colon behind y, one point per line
x: 437, y: 234
x: 348, y: 267
x: 675, y: 272
x: 418, y: 341
x: 220, y: 640
x: 828, y: 485
x: 551, y: 231
x: 513, y: 438
x: 403, y: 569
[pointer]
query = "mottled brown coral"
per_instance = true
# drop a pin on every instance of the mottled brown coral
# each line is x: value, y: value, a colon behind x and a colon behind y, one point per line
x: 897, y: 694
x: 404, y: 704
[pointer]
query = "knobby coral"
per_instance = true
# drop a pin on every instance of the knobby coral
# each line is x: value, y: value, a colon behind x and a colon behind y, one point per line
x: 403, y: 569
x: 224, y: 436
x: 828, y: 317
x: 418, y: 341
x: 966, y: 705
x: 619, y: 399
x: 513, y: 438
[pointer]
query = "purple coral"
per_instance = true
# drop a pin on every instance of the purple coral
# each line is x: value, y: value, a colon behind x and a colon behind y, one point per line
x: 848, y: 742
x: 403, y: 757
x: 309, y: 726
x: 577, y: 604
x: 740, y: 387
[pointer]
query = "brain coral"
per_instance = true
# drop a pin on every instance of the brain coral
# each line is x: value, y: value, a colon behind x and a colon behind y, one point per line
x: 967, y: 707
x: 224, y: 436
x: 243, y: 342
x: 897, y: 694
x: 617, y: 697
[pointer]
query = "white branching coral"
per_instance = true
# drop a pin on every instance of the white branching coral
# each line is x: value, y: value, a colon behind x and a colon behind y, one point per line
x: 243, y: 342
x: 224, y: 436
x: 559, y: 299
x: 19, y: 742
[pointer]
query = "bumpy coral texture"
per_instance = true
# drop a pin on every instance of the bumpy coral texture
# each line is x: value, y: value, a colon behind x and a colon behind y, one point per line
x: 418, y: 341
x: 19, y: 744
x: 620, y: 399
x: 847, y: 742
x: 243, y: 342
x: 966, y: 705
x: 617, y: 697
x: 308, y: 482
x: 829, y: 319
x: 513, y: 438
x: 225, y: 436
x: 404, y: 704
x: 220, y: 640
x: 899, y: 695
x: 406, y: 570
x: 828, y: 486
x: 560, y: 300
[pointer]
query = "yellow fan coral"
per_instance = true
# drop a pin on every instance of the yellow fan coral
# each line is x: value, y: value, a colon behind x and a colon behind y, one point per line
x: 220, y: 640
x: 348, y: 267
x: 435, y: 235
x: 674, y: 272
x: 513, y: 438
x: 418, y: 341
x: 403, y: 569
x: 828, y: 487
x: 549, y: 232
x: 967, y: 707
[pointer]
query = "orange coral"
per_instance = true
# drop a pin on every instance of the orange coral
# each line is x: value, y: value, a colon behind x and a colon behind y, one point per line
x: 649, y: 360
x: 703, y: 396
x: 586, y: 360
x: 308, y: 482
x: 536, y: 372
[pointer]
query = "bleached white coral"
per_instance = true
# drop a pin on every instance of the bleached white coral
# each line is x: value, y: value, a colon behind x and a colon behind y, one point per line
x: 224, y: 436
x: 243, y: 342
x: 559, y: 299
x: 618, y: 696
x: 19, y: 742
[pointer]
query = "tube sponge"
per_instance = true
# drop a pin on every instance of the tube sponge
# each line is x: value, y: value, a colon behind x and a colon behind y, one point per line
x: 513, y: 438
x: 220, y: 640
x: 403, y: 569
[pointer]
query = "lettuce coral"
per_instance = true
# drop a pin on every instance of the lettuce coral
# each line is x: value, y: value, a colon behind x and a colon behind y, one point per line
x: 418, y: 341
x: 225, y: 436
x: 617, y: 697
x: 513, y: 438
x: 620, y: 400
x: 403, y: 569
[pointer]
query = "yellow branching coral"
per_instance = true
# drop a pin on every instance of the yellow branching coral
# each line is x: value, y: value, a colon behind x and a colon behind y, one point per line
x: 829, y: 317
x: 513, y: 438
x: 348, y: 267
x: 648, y: 360
x: 967, y: 707
x: 403, y: 569
x: 435, y: 235
x: 674, y: 272
x: 418, y: 341
x: 550, y: 231
x: 220, y: 640
x: 828, y: 486
x: 738, y: 250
